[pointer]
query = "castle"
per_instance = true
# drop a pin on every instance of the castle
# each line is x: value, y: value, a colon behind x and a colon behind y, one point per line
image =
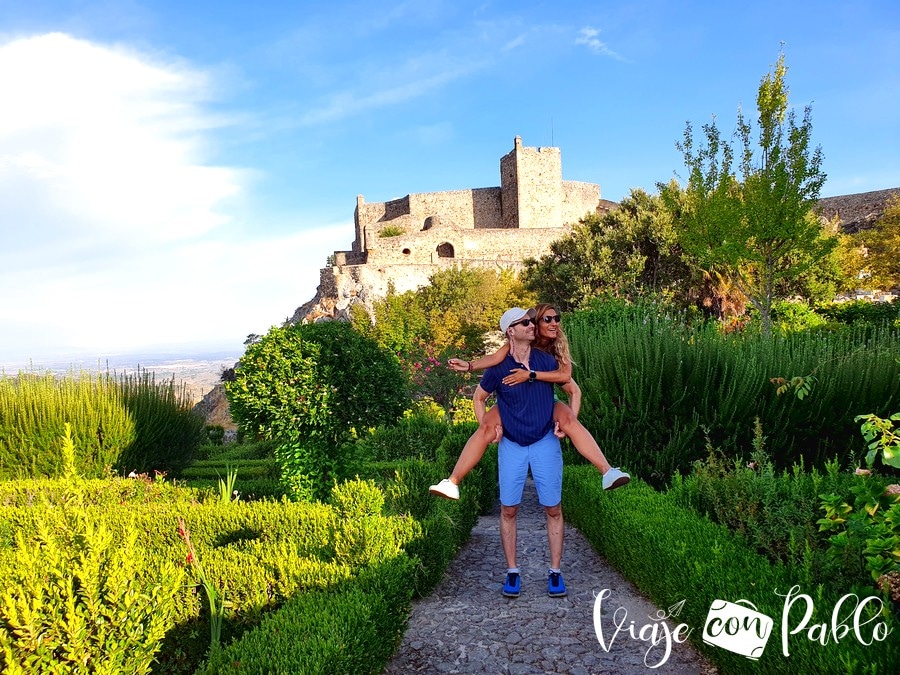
x: 404, y: 241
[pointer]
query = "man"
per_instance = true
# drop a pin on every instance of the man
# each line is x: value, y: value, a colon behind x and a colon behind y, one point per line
x: 528, y: 441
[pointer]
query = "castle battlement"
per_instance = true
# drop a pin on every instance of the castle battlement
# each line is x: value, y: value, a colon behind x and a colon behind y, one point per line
x: 404, y: 241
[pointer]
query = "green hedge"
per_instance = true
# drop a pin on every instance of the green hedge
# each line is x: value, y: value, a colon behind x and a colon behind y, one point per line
x: 97, y: 492
x: 266, y: 555
x: 211, y: 469
x: 672, y: 554
x: 353, y: 628
x: 81, y: 599
x: 260, y: 554
x: 861, y: 311
x: 775, y: 512
x: 446, y: 525
x: 249, y: 489
x: 347, y: 568
x: 412, y: 438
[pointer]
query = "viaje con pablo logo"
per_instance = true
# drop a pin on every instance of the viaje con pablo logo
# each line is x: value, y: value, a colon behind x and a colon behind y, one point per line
x: 739, y: 628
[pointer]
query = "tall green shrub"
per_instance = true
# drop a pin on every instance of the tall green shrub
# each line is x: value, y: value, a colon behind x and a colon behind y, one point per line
x: 34, y: 409
x: 651, y: 384
x: 168, y: 431
x: 309, y: 387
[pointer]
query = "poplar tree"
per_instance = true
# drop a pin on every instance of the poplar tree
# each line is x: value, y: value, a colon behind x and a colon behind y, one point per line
x: 759, y: 230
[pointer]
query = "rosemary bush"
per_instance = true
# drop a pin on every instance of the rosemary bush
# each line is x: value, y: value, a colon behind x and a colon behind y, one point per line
x: 168, y: 432
x: 34, y: 409
x: 652, y: 380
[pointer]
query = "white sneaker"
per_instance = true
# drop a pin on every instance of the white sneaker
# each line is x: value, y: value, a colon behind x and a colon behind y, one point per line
x: 614, y: 478
x: 445, y: 489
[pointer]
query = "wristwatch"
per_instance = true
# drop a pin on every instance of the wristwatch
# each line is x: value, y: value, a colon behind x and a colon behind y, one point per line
x: 532, y: 376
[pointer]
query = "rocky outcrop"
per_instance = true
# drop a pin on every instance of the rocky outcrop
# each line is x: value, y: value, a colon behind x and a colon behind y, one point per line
x: 214, y: 408
x: 858, y: 211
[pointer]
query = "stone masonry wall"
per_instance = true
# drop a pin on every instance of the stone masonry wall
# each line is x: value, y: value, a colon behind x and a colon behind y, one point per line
x: 579, y: 199
x: 481, y: 227
x: 446, y: 241
x: 539, y: 186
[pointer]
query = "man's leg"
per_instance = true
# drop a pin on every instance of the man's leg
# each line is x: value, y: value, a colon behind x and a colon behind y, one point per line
x: 512, y: 468
x: 546, y: 469
x: 508, y: 534
x: 555, y: 534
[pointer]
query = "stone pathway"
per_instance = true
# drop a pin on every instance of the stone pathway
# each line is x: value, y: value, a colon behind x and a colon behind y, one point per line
x: 466, y: 626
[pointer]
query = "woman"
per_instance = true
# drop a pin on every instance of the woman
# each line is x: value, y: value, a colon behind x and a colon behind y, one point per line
x: 550, y: 338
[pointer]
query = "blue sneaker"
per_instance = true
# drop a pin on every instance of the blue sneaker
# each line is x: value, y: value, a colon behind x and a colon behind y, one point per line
x: 513, y: 585
x: 556, y: 587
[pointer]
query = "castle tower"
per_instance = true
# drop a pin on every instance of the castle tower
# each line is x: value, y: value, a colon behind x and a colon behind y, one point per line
x: 531, y: 188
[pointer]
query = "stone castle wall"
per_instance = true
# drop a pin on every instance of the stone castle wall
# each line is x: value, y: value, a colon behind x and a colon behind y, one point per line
x: 531, y: 184
x: 404, y: 241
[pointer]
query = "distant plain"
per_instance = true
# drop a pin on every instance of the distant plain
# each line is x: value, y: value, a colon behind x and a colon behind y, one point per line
x: 199, y: 373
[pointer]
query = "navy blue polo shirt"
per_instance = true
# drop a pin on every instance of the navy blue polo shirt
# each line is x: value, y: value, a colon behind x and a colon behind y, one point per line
x: 526, y: 409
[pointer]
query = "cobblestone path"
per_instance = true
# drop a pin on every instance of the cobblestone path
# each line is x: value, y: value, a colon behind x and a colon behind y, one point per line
x: 467, y: 626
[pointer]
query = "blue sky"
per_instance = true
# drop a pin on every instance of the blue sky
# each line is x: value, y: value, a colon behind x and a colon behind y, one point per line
x: 173, y: 174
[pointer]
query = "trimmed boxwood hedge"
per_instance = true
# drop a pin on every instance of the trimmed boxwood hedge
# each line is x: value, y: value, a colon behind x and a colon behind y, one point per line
x: 672, y: 554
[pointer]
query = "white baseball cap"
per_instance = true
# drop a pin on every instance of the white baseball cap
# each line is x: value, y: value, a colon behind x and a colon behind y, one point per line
x: 510, y: 316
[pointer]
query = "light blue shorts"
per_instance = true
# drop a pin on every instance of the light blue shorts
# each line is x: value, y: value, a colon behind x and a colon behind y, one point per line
x: 545, y: 459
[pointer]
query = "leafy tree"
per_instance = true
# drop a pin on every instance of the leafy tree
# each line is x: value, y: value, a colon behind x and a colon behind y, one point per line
x: 759, y: 231
x: 308, y: 387
x: 883, y: 244
x: 463, y: 305
x: 451, y: 316
x: 456, y: 310
x: 398, y: 320
x: 629, y: 252
x: 836, y: 271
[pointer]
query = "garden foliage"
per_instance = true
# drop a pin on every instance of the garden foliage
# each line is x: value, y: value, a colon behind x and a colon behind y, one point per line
x: 34, y: 409
x: 341, y: 573
x: 129, y: 423
x: 79, y: 599
x: 167, y: 430
x: 309, y: 388
x: 652, y: 382
x: 673, y: 554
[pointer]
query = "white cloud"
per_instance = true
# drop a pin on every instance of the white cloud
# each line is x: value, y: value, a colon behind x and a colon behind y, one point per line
x: 353, y: 103
x: 111, y: 213
x: 588, y: 37
x: 108, y: 140
x: 210, y: 290
x: 518, y: 41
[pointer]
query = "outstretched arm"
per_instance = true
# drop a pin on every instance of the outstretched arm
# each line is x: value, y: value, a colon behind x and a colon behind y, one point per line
x: 484, y: 362
x: 561, y: 375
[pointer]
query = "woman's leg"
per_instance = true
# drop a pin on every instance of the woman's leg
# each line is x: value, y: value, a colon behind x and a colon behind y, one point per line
x: 488, y: 432
x: 581, y: 438
x: 587, y: 446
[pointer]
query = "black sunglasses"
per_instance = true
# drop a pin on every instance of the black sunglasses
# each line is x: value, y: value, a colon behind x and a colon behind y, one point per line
x: 549, y: 319
x: 523, y: 322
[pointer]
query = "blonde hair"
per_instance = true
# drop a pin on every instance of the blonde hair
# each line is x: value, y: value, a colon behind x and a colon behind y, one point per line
x: 558, y: 348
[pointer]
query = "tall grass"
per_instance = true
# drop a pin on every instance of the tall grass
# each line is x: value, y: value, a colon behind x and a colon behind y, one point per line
x: 654, y: 385
x: 168, y: 431
x: 34, y: 409
x: 129, y: 422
